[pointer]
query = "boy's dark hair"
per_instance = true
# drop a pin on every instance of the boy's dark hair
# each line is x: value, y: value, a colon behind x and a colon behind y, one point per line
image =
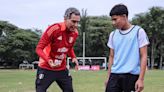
x: 119, y: 9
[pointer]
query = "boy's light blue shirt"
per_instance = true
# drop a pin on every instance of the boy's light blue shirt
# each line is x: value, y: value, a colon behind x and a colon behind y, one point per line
x: 126, y: 52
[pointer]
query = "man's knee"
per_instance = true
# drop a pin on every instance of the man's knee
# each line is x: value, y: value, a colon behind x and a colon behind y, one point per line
x: 40, y: 90
x: 68, y: 89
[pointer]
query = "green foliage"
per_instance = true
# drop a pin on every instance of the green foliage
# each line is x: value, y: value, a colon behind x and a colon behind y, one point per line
x: 83, y: 28
x: 19, y: 44
x: 153, y: 23
x: 0, y: 32
x: 97, y: 29
x: 97, y: 36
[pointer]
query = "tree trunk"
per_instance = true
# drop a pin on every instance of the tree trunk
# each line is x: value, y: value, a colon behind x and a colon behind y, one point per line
x: 160, y: 63
x: 148, y: 62
x: 152, y: 54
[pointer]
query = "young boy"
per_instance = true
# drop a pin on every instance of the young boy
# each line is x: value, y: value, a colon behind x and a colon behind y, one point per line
x: 128, y: 53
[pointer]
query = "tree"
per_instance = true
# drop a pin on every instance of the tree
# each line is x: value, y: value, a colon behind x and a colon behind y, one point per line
x: 97, y: 29
x: 19, y: 45
x: 0, y: 32
x: 83, y: 27
x: 153, y: 22
x: 97, y: 36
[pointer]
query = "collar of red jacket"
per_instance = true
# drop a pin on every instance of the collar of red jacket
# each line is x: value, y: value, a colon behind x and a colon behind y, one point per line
x: 63, y: 26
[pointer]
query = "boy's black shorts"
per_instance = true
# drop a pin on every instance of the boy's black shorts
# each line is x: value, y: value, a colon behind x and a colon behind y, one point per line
x: 121, y: 83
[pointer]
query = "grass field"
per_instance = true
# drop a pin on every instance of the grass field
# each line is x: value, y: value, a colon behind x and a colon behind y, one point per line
x: 83, y: 81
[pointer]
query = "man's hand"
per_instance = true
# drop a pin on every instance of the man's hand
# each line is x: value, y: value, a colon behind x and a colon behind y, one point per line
x: 74, y: 60
x: 139, y: 86
x: 53, y: 64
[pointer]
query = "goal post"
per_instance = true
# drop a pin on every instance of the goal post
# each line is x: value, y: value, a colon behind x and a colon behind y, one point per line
x: 89, y: 62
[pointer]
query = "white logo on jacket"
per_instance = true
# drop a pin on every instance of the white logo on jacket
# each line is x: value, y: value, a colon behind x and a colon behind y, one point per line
x: 59, y: 38
x: 61, y: 57
x: 57, y: 62
x: 62, y: 50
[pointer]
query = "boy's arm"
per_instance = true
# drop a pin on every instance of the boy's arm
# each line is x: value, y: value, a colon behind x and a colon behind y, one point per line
x: 140, y: 82
x: 143, y: 55
x: 111, y: 57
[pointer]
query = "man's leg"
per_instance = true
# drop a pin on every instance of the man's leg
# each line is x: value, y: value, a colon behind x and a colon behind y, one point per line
x: 64, y: 81
x: 43, y: 80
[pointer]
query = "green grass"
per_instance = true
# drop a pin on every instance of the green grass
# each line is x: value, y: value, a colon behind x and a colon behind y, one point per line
x: 83, y: 81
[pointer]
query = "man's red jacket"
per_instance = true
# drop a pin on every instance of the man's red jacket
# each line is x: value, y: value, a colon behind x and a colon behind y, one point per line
x: 56, y: 43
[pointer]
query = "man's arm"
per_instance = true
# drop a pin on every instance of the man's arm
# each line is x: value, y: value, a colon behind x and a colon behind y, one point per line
x: 143, y: 63
x: 111, y: 57
x: 71, y: 53
x: 45, y: 41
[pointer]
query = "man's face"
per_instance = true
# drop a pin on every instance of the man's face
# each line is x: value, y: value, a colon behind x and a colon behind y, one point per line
x: 118, y: 21
x: 72, y: 22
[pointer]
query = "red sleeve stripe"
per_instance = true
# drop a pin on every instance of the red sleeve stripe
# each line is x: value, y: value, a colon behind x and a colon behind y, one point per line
x: 52, y: 29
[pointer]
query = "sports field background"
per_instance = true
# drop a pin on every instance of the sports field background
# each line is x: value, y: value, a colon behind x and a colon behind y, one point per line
x: 83, y: 81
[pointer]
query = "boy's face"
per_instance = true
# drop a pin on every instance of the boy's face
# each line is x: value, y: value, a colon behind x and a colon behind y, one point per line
x: 118, y: 21
x: 72, y: 22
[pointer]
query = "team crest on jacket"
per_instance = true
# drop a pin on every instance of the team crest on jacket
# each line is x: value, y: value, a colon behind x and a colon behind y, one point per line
x: 41, y: 76
x: 70, y: 39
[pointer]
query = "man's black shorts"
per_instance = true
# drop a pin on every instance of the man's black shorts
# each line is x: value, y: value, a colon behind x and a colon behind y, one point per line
x: 46, y: 77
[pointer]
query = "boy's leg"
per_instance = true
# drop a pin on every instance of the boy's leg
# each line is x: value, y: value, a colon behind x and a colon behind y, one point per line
x: 113, y: 84
x: 130, y: 83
